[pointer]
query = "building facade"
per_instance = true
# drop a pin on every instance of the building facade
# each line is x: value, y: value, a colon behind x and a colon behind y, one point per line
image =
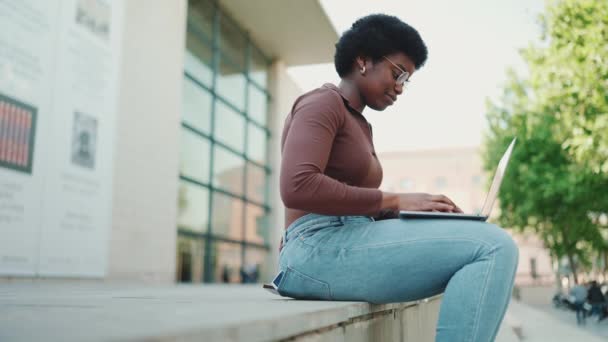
x: 235, y: 93
x: 192, y: 152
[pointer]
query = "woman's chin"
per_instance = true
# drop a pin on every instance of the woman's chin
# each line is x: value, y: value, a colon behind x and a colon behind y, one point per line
x: 379, y: 106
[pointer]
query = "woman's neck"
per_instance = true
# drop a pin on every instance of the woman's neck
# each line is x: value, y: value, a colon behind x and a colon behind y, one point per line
x: 352, y: 94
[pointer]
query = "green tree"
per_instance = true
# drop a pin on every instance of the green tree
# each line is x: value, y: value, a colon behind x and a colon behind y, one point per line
x: 569, y: 75
x: 557, y: 180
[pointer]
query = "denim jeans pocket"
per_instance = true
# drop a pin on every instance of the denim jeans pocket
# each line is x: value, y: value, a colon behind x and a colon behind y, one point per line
x: 315, y: 228
x: 300, y: 286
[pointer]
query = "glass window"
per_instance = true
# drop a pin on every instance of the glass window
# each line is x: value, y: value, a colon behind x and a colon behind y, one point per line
x: 256, y: 224
x: 407, y: 184
x: 256, y: 260
x: 256, y: 183
x: 476, y: 179
x: 200, y: 17
x: 227, y: 218
x: 196, y: 106
x: 229, y: 127
x: 194, y: 156
x: 199, y: 68
x: 533, y: 271
x: 193, y: 207
x: 257, y: 143
x: 240, y: 110
x: 226, y: 262
x: 440, y: 183
x: 198, y: 58
x: 228, y: 171
x: 266, y: 190
x: 232, y: 42
x: 231, y: 84
x: 190, y: 254
x: 258, y: 68
x: 258, y: 105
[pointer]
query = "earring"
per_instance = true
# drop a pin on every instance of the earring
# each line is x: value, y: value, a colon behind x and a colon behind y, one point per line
x: 363, y: 70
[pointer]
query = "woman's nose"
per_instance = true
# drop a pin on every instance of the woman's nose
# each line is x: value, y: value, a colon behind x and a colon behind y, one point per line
x: 398, y: 88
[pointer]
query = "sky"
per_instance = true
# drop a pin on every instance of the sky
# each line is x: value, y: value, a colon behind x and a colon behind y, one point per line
x: 471, y: 44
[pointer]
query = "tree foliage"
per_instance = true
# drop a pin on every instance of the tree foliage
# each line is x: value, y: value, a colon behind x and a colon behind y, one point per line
x: 557, y: 181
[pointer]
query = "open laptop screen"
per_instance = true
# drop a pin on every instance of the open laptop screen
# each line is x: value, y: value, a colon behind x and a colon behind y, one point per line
x: 500, y: 172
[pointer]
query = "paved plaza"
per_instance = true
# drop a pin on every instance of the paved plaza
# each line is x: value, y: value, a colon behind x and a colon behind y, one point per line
x: 76, y: 311
x: 539, y: 298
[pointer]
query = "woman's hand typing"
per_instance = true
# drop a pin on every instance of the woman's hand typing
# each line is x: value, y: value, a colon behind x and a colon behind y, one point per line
x: 419, y: 202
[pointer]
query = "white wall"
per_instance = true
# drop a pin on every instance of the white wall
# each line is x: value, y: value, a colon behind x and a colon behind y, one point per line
x: 143, y: 238
x: 58, y: 90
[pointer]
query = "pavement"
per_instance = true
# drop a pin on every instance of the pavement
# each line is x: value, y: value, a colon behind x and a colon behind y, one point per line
x: 42, y: 311
x: 539, y: 298
x: 73, y: 311
x: 542, y: 326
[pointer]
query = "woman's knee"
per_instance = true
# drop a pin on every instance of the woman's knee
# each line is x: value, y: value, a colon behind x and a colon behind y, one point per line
x: 503, y: 243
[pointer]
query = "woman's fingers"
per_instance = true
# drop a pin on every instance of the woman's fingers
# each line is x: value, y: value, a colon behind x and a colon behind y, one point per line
x: 428, y: 202
x: 446, y: 200
x: 441, y: 207
x: 442, y: 198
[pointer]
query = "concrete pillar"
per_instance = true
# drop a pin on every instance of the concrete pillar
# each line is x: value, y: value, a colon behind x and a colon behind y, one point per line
x: 143, y: 237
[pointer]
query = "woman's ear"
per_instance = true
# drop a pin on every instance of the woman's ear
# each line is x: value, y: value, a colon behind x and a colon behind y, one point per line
x: 361, y: 61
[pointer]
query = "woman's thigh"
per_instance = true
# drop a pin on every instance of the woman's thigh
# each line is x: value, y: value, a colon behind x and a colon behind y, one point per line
x: 392, y: 260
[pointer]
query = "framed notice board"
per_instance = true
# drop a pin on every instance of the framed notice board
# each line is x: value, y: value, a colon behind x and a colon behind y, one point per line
x: 17, y: 133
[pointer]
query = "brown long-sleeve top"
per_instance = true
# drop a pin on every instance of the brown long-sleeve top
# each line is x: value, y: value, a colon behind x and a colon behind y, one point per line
x: 329, y: 165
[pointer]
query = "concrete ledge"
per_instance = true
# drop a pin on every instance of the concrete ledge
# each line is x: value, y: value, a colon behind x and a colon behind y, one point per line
x: 94, y: 312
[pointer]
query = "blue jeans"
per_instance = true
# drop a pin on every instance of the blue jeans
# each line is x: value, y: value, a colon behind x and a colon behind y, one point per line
x: 580, y: 312
x: 597, y: 309
x: 354, y: 258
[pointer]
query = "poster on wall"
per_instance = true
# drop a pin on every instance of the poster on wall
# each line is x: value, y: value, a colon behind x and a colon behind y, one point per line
x: 26, y: 79
x: 17, y: 128
x: 58, y: 91
x: 84, y: 137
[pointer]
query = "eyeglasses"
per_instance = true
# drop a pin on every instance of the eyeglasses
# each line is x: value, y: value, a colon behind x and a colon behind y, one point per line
x: 402, y: 79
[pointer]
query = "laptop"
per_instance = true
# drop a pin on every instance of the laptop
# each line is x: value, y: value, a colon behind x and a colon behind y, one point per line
x: 487, y: 207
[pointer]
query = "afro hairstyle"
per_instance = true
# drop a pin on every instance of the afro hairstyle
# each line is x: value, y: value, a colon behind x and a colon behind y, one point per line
x: 378, y: 35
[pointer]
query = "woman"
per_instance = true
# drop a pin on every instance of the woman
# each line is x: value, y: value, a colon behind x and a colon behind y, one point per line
x: 344, y: 240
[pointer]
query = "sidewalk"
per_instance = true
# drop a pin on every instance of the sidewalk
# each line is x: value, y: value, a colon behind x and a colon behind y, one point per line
x: 75, y: 311
x: 567, y: 317
x: 539, y: 297
x: 537, y: 325
x: 43, y: 311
